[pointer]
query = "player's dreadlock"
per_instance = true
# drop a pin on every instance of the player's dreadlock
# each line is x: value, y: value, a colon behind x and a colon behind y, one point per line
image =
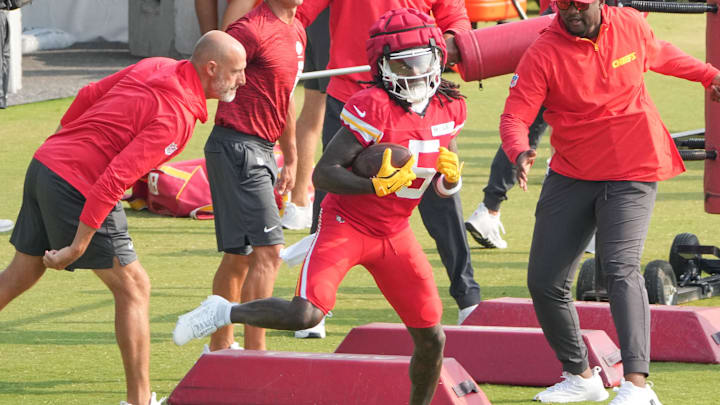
x: 447, y: 90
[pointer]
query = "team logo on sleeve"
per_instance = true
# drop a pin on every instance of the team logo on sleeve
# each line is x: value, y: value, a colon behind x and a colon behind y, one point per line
x: 514, y: 80
x: 170, y: 149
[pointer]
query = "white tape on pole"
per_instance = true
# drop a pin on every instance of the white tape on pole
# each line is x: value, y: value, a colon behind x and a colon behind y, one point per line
x: 334, y: 72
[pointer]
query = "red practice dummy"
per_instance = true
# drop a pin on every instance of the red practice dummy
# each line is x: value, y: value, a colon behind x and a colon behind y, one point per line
x: 712, y: 118
x: 492, y: 354
x: 235, y: 377
x: 688, y: 334
x: 494, y: 51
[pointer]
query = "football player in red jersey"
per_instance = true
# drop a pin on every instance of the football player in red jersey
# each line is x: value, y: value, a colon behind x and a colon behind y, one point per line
x: 365, y: 220
x: 442, y: 217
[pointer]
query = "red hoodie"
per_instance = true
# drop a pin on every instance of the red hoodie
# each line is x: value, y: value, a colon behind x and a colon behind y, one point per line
x: 119, y: 128
x: 605, y: 126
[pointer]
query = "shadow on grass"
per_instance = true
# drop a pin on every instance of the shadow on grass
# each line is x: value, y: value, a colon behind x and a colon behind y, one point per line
x: 56, y: 314
x: 47, y: 388
x: 679, y: 196
x: 189, y: 252
x: 70, y: 338
x: 499, y: 291
x: 60, y: 337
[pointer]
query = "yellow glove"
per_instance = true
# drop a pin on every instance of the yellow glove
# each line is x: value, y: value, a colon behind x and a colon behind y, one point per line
x: 447, y: 164
x: 390, y: 179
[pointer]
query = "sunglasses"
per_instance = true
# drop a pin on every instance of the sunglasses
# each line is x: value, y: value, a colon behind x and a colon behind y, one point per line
x: 564, y: 5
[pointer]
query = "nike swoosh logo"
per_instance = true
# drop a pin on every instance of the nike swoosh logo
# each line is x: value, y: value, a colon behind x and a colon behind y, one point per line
x: 360, y: 113
x: 266, y: 229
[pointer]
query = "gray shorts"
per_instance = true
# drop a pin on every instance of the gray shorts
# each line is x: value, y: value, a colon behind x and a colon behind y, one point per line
x: 49, y: 218
x: 317, y: 50
x: 242, y: 172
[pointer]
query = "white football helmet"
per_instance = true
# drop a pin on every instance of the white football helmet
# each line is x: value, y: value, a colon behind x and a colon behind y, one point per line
x: 412, y: 75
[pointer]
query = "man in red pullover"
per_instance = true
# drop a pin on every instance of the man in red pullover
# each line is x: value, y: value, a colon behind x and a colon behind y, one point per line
x: 114, y: 132
x: 611, y: 149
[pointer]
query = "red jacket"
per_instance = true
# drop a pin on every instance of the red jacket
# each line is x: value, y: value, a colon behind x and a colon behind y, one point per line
x: 121, y: 127
x: 604, y: 124
x: 350, y: 21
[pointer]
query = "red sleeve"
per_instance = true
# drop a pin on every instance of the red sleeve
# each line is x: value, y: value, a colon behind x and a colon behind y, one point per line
x: 245, y: 33
x: 460, y: 116
x: 528, y: 89
x: 451, y: 15
x: 147, y: 150
x: 666, y: 58
x: 363, y: 119
x: 309, y: 10
x: 87, y: 96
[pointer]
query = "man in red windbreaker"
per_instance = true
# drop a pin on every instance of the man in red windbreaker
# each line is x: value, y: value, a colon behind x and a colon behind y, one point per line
x: 442, y: 217
x: 611, y: 149
x: 114, y: 132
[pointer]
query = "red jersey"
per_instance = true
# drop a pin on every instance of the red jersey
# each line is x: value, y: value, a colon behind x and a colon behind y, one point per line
x: 605, y: 126
x: 347, y: 46
x: 373, y: 117
x: 275, y: 57
x: 119, y: 128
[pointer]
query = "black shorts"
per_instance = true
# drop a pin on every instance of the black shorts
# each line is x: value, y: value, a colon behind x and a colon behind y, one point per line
x: 242, y: 172
x: 49, y: 218
x: 317, y: 51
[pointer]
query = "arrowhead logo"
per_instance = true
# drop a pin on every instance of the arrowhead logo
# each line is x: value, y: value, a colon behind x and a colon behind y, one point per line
x: 170, y: 149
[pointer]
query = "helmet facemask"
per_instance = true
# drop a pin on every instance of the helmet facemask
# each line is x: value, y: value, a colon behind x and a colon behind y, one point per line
x: 412, y: 75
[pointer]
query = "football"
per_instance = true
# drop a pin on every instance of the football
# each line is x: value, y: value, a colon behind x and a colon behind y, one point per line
x: 368, y: 162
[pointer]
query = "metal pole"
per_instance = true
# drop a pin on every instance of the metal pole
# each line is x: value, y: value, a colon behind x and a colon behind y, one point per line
x: 520, y: 11
x: 334, y: 72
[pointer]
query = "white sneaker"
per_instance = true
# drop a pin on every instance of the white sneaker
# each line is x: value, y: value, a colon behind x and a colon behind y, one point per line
x: 574, y: 388
x: 630, y: 394
x: 485, y: 228
x: 317, y: 331
x: 202, y: 321
x: 233, y: 346
x: 153, y: 400
x: 464, y: 313
x: 297, y: 217
x: 6, y: 225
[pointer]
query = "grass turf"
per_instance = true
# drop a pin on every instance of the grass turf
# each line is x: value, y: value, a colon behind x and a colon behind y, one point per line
x: 57, y: 343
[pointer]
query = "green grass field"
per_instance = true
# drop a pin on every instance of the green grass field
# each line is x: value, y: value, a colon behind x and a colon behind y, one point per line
x: 57, y: 344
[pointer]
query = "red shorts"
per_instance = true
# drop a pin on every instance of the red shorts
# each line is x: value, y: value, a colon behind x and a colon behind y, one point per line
x: 397, y: 263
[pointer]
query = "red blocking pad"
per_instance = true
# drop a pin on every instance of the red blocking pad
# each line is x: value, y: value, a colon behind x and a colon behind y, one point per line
x: 492, y: 354
x: 687, y: 334
x: 712, y: 117
x: 233, y: 377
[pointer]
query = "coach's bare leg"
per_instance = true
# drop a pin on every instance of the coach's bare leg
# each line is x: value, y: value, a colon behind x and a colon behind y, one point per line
x: 264, y: 264
x: 308, y: 130
x: 228, y: 283
x: 426, y: 363
x: 130, y: 287
x: 21, y: 274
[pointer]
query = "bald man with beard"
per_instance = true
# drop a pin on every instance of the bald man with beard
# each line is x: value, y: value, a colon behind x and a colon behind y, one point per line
x: 123, y: 126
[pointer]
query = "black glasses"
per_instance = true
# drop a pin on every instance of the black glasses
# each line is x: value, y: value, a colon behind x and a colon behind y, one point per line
x: 564, y: 5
